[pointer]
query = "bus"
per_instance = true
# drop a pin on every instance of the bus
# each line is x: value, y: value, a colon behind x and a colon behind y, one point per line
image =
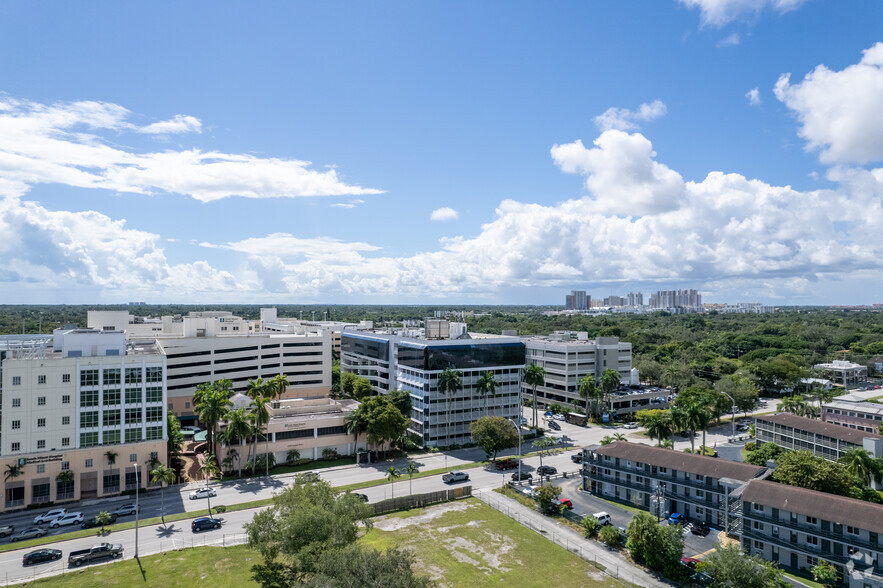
x: 575, y: 418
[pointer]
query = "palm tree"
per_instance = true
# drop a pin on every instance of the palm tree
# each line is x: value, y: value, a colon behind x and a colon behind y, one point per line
x: 64, y: 477
x: 671, y: 376
x: 588, y: 389
x: 256, y: 387
x: 211, y: 409
x: 159, y: 475
x: 225, y: 386
x: 355, y: 425
x: 659, y: 426
x: 260, y: 416
x: 486, y: 385
x: 534, y: 376
x: 609, y: 383
x: 111, y: 457
x: 238, y: 429
x: 688, y: 415
x: 153, y: 462
x: 543, y: 444
x: 667, y: 444
x: 392, y: 474
x: 862, y: 464
x: 619, y: 437
x: 411, y: 470
x: 448, y: 383
x: 279, y: 384
x: 211, y: 469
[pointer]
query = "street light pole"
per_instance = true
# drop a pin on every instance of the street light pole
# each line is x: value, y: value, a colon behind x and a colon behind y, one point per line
x: 733, y: 401
x: 518, y: 428
x: 137, y: 485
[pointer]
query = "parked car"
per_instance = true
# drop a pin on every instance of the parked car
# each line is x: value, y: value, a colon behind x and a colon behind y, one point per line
x: 306, y: 477
x: 93, y: 522
x: 193, y: 428
x: 631, y: 425
x: 203, y: 523
x: 96, y: 552
x: 677, y: 519
x: 699, y: 528
x: 71, y: 518
x: 125, y: 510
x: 362, y: 497
x: 558, y: 417
x: 40, y: 556
x: 202, y: 493
x: 577, y: 457
x: 507, y: 464
x: 522, y: 421
x: 29, y: 533
x: 554, y: 426
x: 455, y: 476
x: 548, y: 414
x: 565, y: 502
x: 546, y: 470
x: 523, y: 476
x: 603, y: 518
x: 49, y: 516
x: 690, y: 562
x: 7, y: 530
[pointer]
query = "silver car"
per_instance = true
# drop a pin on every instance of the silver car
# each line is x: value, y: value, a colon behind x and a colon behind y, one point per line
x: 29, y: 533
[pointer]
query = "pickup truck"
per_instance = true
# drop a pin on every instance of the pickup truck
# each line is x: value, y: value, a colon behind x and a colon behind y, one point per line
x: 455, y: 476
x: 7, y: 530
x: 507, y: 464
x: 100, y: 551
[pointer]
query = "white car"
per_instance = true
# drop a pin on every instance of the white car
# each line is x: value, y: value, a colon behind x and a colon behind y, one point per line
x: 631, y: 425
x: 558, y: 417
x: 71, y: 518
x: 49, y: 516
x: 193, y: 428
x: 203, y: 493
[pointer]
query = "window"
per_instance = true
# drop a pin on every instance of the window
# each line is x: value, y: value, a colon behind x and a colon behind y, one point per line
x: 133, y: 457
x: 133, y: 395
x: 850, y: 530
x: 112, y: 397
x: 16, y: 402
x: 154, y: 394
x: 133, y: 415
x: 65, y: 420
x: 186, y: 405
x: 133, y: 435
x: 16, y: 446
x: 65, y: 378
x: 88, y: 397
x: 65, y: 442
x: 41, y: 443
x: 66, y: 399
x: 700, y: 493
x: 89, y: 378
x: 112, y: 377
x: 16, y: 380
x: 89, y: 439
x: 758, y: 526
x: 154, y: 413
x: 88, y: 419
x: 112, y: 418
x: 111, y: 483
x: 16, y: 424
x: 812, y: 520
x: 154, y: 455
x: 811, y: 561
x: 65, y: 466
x: 41, y: 401
x: 700, y: 478
x: 812, y: 540
x: 700, y: 511
x: 154, y: 433
x: 41, y: 422
x: 757, y: 507
x: 133, y: 375
x: 133, y: 480
x: 111, y: 437
x: 89, y: 463
x: 41, y: 379
x: 154, y: 374
x: 663, y: 470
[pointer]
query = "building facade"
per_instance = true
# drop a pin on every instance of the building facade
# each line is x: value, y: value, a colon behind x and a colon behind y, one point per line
x: 825, y: 440
x: 843, y: 372
x: 577, y: 300
x: 862, y: 416
x: 90, y: 405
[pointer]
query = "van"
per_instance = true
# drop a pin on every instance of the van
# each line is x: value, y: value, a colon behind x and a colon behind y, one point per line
x: 603, y: 518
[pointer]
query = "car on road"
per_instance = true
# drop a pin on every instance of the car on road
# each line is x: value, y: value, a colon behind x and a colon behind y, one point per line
x: 306, y: 477
x: 202, y: 493
x: 93, y: 522
x: 95, y: 553
x: 522, y: 421
x: 631, y: 425
x: 577, y: 457
x: 699, y: 528
x: 125, y: 510
x: 71, y: 518
x: 565, y: 502
x: 362, y: 497
x: 204, y: 523
x: 29, y: 533
x: 49, y: 516
x: 547, y: 470
x: 455, y: 476
x: 558, y: 417
x: 690, y: 562
x: 677, y: 519
x: 192, y: 428
x: 507, y: 464
x: 522, y: 476
x: 7, y: 530
x: 40, y: 555
x: 603, y: 518
x: 548, y: 414
x: 554, y: 426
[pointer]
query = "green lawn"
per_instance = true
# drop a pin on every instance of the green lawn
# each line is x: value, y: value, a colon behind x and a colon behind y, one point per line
x: 466, y: 543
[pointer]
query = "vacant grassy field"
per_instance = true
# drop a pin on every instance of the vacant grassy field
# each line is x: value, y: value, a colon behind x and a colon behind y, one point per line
x: 466, y: 543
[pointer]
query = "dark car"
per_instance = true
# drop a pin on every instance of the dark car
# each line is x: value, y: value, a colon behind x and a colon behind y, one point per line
x: 93, y: 522
x: 546, y: 470
x: 699, y: 528
x: 40, y: 556
x: 507, y: 464
x: 677, y: 519
x: 204, y: 523
x: 362, y: 497
x: 690, y: 562
x: 523, y: 476
x: 577, y: 457
x: 554, y: 426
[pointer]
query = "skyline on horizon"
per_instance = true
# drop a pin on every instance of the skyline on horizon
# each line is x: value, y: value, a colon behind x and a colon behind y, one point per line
x: 415, y: 153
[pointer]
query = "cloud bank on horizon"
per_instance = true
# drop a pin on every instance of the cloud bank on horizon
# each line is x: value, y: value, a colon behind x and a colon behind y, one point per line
x: 638, y: 222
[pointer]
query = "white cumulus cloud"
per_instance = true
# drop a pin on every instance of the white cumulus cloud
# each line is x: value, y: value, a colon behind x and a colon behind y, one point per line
x: 839, y: 111
x: 624, y: 119
x: 720, y: 12
x: 178, y: 124
x: 444, y: 214
x: 729, y: 41
x: 753, y: 96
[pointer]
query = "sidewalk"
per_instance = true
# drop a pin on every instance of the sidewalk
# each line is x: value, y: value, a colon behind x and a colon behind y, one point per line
x: 614, y: 564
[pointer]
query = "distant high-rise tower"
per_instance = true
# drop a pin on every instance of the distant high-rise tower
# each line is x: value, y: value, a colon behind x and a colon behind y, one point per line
x: 635, y: 299
x: 580, y: 300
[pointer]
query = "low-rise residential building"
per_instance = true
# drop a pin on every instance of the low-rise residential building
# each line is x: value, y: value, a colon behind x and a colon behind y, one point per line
x: 863, y: 416
x: 844, y: 372
x: 795, y: 528
x: 91, y: 405
x: 825, y: 440
x: 695, y: 486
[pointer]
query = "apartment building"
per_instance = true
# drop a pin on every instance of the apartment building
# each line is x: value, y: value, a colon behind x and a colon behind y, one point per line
x: 795, y: 528
x: 826, y: 440
x: 414, y: 364
x: 89, y: 404
x: 567, y: 357
x: 862, y: 416
x: 695, y: 486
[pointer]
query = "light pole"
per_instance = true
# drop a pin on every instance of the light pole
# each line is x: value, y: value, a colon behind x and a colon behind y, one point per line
x: 733, y: 400
x: 660, y: 500
x: 137, y: 485
x: 518, y: 428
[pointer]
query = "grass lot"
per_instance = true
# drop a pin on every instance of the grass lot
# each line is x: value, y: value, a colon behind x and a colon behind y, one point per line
x: 218, y: 567
x: 466, y: 543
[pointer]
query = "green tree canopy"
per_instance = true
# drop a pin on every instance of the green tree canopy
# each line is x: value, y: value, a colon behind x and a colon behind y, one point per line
x: 660, y: 548
x: 803, y: 469
x: 493, y: 434
x: 729, y: 567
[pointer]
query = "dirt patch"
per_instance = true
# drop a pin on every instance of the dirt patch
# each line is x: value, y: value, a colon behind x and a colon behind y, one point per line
x: 433, y: 512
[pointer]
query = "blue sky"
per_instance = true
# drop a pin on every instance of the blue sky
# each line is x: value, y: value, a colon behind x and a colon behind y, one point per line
x: 425, y: 152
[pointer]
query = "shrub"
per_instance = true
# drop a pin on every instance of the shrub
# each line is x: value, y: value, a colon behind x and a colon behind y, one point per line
x: 751, y: 446
x: 259, y: 462
x: 590, y: 526
x: 434, y: 450
x: 610, y: 536
x: 454, y: 446
x: 220, y: 508
x: 292, y: 457
x: 42, y: 505
x: 329, y: 454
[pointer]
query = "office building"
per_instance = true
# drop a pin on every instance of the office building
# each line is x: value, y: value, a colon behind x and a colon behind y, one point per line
x: 635, y: 299
x: 862, y: 416
x: 843, y: 372
x: 89, y: 404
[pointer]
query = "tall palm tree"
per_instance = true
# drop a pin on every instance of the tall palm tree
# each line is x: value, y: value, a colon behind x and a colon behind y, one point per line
x: 211, y: 469
x: 609, y: 383
x: 862, y: 464
x: 534, y: 376
x: 411, y: 470
x: 111, y: 457
x: 659, y: 426
x: 65, y: 477
x: 588, y: 389
x: 355, y: 424
x: 162, y: 475
x: 225, y: 386
x: 260, y: 416
x: 256, y: 387
x: 687, y: 414
x: 279, y: 384
x: 449, y: 382
x: 211, y: 409
x: 486, y: 385
x: 391, y: 474
x: 238, y: 430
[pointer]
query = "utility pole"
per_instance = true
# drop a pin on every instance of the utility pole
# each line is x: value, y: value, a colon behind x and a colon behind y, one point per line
x: 137, y: 486
x: 518, y: 428
x: 660, y: 500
